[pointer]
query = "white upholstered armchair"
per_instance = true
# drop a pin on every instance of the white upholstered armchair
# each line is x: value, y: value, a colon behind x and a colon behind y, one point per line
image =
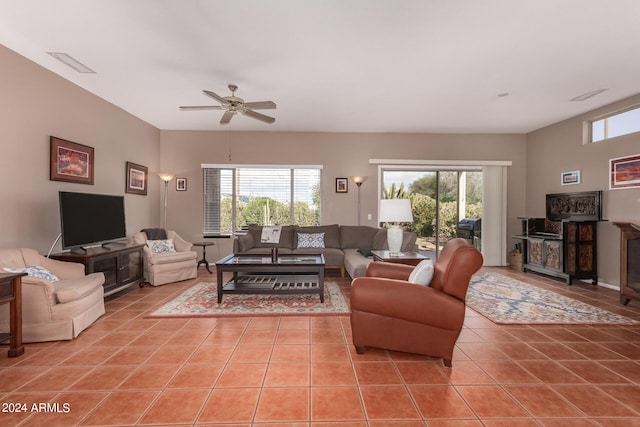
x: 58, y: 302
x: 166, y: 260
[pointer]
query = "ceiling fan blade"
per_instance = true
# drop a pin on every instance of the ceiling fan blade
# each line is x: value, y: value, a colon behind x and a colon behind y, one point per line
x: 226, y: 117
x: 201, y: 107
x: 261, y: 105
x: 215, y: 96
x: 259, y: 116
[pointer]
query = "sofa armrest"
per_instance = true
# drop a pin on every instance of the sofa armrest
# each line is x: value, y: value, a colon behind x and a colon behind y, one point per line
x: 242, y: 243
x: 180, y: 244
x: 407, y: 301
x: 389, y: 270
x: 38, y: 292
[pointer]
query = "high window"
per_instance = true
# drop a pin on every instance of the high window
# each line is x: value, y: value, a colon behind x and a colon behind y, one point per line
x: 238, y: 196
x: 616, y: 125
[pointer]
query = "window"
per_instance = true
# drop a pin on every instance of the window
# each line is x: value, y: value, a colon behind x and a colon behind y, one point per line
x: 237, y: 196
x: 616, y: 125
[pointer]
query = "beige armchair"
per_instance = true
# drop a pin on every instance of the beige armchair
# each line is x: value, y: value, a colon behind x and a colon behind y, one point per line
x: 53, y: 309
x: 161, y: 268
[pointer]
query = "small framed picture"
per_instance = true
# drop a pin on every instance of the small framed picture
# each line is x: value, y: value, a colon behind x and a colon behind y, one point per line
x: 71, y: 162
x: 136, y: 179
x: 624, y: 172
x: 181, y: 184
x: 570, y: 178
x: 342, y: 185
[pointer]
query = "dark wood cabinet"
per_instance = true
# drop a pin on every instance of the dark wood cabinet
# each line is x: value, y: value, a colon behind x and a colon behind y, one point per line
x: 629, y: 261
x: 580, y: 248
x: 122, y: 266
x: 564, y: 249
x: 565, y: 243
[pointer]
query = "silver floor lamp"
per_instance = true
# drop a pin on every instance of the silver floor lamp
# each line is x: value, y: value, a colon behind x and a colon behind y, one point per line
x: 359, y: 180
x: 166, y: 178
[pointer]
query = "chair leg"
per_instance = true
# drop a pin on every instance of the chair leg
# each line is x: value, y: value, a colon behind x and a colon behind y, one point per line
x: 360, y: 349
x: 447, y: 362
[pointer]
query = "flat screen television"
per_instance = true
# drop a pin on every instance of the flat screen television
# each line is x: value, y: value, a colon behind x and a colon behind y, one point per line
x: 91, y: 219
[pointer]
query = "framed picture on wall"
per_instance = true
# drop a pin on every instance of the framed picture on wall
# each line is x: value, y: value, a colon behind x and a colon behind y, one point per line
x: 181, y: 184
x: 624, y: 172
x: 136, y: 179
x: 342, y: 185
x: 569, y: 178
x: 70, y: 162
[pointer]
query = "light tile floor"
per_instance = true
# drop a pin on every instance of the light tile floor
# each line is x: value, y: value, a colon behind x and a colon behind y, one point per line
x: 126, y: 370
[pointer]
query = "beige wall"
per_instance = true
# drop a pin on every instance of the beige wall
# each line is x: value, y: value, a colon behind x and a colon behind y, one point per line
x: 559, y: 148
x: 341, y: 154
x: 35, y: 104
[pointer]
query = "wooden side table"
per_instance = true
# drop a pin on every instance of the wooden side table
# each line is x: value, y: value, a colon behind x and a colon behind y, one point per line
x: 11, y: 292
x: 409, y: 258
x: 204, y: 261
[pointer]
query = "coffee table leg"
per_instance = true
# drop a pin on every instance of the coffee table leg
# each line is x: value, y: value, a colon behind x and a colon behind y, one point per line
x: 321, y: 284
x: 219, y: 283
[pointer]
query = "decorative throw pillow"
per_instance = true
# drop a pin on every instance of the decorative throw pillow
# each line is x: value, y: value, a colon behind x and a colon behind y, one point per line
x: 161, y: 246
x: 310, y: 240
x: 423, y: 273
x: 34, y: 271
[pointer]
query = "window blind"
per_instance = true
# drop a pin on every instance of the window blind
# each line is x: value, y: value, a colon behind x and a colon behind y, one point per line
x: 236, y: 197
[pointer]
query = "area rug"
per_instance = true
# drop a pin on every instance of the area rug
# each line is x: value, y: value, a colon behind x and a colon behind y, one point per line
x: 509, y: 301
x: 201, y: 300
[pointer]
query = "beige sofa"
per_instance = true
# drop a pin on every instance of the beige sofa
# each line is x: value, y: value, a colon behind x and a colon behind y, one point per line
x: 346, y: 247
x: 53, y: 310
x: 168, y: 267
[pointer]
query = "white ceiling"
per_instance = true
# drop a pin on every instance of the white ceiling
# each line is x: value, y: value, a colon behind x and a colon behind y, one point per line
x: 341, y: 65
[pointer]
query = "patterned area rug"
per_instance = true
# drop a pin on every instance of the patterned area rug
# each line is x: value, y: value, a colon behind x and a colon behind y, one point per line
x: 508, y: 301
x: 201, y: 300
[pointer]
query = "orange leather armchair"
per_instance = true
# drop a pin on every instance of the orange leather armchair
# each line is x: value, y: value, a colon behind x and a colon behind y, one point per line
x: 391, y: 313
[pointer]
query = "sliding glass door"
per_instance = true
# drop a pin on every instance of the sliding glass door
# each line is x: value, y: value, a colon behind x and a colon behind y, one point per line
x: 439, y: 200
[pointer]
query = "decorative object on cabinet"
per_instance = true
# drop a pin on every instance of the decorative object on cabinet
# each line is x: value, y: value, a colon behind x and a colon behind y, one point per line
x: 136, y: 179
x: 342, y: 185
x: 564, y: 244
x: 624, y: 172
x: 70, y: 162
x: 570, y: 178
x: 181, y: 184
x: 629, y: 266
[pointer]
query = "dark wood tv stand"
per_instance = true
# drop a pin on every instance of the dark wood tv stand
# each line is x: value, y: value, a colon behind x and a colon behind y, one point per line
x: 121, y: 264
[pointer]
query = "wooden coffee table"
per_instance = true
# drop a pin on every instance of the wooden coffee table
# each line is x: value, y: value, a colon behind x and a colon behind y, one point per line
x: 410, y: 258
x: 257, y: 274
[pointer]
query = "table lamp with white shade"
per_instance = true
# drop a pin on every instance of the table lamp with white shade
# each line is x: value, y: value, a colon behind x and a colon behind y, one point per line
x: 393, y: 211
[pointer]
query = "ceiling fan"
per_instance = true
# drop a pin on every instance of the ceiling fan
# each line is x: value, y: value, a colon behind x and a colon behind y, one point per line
x: 232, y: 105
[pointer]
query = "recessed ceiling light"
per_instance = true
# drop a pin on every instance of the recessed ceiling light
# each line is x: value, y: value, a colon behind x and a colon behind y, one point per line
x: 588, y: 95
x: 71, y: 62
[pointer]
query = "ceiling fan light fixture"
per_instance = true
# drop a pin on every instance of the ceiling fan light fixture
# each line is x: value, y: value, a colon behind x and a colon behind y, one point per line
x: 70, y: 61
x: 232, y: 105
